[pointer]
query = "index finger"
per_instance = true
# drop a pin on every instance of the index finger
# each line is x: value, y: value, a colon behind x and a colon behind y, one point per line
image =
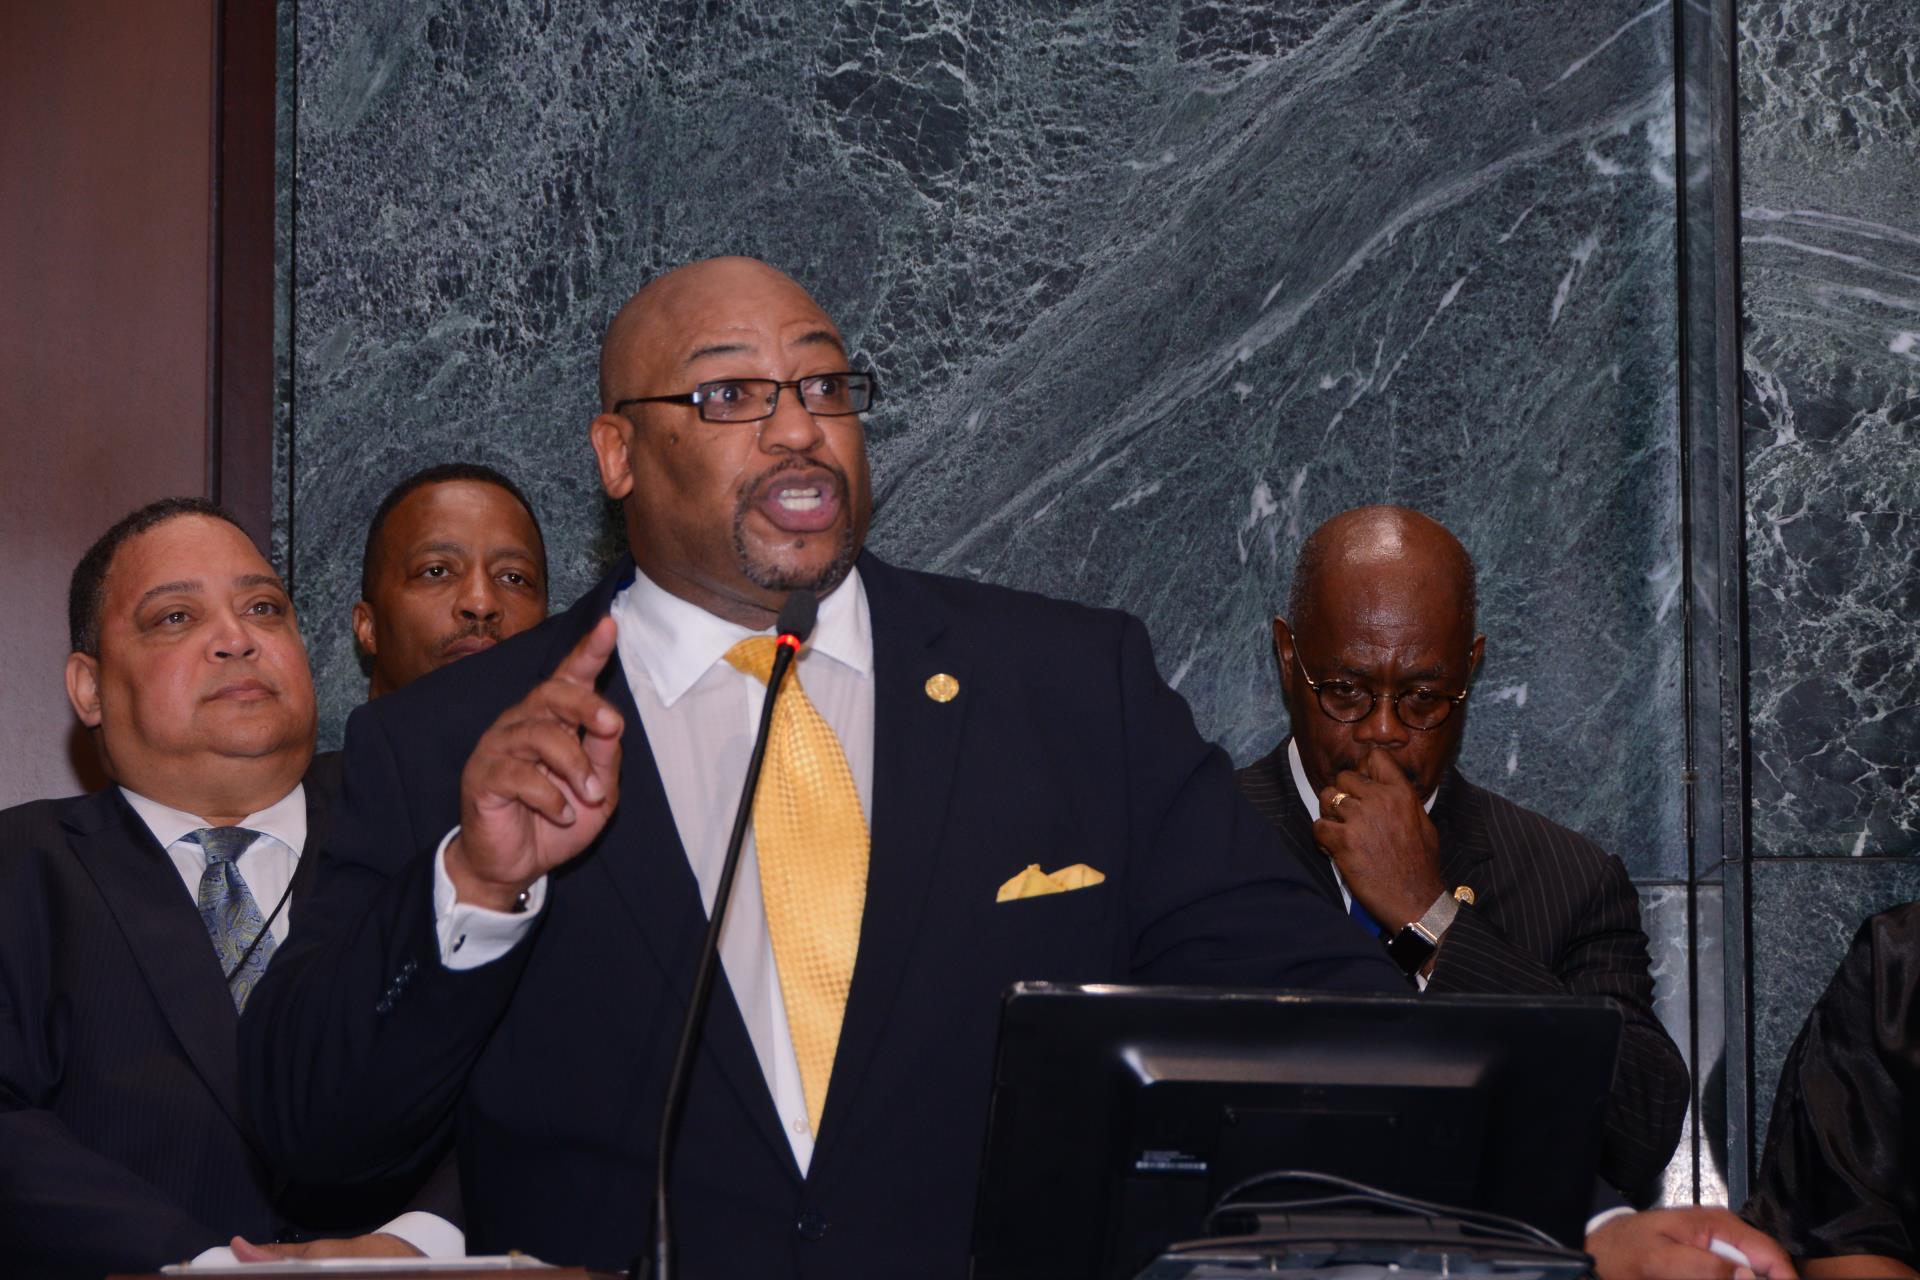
x: 584, y: 661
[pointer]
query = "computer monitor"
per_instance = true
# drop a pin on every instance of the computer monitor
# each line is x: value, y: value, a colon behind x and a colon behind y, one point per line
x: 1121, y: 1114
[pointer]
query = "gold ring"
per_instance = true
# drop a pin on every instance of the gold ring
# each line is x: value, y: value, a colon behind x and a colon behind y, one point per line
x: 1338, y: 796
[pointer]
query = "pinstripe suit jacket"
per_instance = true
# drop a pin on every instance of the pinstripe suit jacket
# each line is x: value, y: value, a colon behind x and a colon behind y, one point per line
x: 1553, y: 913
x: 121, y: 1145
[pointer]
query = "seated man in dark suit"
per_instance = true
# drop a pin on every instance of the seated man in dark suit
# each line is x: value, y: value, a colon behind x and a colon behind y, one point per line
x: 134, y: 922
x: 1469, y: 891
x: 511, y: 906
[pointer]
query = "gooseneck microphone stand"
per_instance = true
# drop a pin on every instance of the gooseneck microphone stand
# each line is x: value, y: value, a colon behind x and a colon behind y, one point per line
x: 792, y: 628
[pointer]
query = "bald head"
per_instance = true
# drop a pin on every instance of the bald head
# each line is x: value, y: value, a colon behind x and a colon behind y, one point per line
x: 1384, y: 546
x: 643, y: 344
x: 732, y: 512
x: 1380, y: 619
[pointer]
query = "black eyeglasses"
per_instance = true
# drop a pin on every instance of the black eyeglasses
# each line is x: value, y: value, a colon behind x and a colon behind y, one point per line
x: 1418, y: 708
x: 824, y: 395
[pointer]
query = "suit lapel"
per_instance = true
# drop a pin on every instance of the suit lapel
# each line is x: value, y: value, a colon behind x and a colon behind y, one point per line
x: 641, y: 855
x: 1461, y: 821
x: 164, y: 931
x: 305, y: 869
x: 916, y: 744
x: 1295, y: 825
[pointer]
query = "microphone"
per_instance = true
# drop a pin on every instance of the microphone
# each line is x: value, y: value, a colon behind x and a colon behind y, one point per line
x: 791, y: 630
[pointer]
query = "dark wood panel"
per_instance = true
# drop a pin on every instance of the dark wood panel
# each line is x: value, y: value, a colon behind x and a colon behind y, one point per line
x: 240, y: 420
x: 105, y: 125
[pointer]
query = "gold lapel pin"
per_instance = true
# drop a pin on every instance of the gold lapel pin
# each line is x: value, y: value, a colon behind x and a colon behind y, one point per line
x: 943, y: 687
x: 1464, y: 894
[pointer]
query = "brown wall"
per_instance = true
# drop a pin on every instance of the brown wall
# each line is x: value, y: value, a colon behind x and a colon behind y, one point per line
x: 106, y: 120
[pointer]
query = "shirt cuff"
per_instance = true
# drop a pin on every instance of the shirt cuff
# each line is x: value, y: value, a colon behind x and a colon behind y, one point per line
x: 471, y: 935
x: 430, y: 1233
x: 219, y: 1256
x: 1605, y: 1216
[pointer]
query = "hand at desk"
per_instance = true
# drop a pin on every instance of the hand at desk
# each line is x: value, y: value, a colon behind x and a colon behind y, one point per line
x: 1677, y: 1244
x: 370, y: 1246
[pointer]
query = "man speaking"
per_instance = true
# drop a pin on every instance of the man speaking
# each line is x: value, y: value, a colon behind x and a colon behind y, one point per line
x: 996, y: 787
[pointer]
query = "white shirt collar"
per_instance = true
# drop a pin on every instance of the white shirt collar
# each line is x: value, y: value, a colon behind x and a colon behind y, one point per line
x: 285, y: 819
x: 1311, y: 798
x: 677, y: 642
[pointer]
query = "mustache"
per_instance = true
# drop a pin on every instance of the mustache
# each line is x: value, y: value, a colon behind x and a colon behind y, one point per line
x: 478, y: 629
x: 751, y: 493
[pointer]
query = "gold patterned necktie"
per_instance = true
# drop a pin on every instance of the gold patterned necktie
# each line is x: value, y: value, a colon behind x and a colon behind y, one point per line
x: 812, y: 844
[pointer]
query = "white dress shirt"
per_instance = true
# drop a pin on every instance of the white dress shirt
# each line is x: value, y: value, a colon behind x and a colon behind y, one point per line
x: 700, y: 715
x: 267, y: 865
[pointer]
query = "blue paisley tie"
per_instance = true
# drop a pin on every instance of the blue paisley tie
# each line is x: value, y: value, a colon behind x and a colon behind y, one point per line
x: 1354, y: 909
x: 227, y: 907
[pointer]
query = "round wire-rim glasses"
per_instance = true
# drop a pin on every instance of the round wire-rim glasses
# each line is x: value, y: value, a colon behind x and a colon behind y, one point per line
x: 1419, y: 708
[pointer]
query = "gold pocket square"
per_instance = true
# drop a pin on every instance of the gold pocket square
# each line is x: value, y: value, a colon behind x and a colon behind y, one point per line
x: 1033, y: 882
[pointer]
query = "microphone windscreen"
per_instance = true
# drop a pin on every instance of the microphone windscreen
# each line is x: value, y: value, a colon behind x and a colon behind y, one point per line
x: 797, y: 615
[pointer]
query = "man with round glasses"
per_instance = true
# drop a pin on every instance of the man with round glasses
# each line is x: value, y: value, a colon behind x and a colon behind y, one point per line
x: 1468, y: 891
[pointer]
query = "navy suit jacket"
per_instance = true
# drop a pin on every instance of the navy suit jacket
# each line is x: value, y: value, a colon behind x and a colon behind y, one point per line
x: 1552, y: 913
x: 121, y: 1143
x: 1063, y: 746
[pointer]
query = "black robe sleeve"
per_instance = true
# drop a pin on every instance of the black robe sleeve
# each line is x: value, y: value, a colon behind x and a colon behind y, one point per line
x: 1841, y: 1170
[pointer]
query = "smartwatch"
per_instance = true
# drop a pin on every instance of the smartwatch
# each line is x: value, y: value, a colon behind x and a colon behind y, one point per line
x: 1415, y: 944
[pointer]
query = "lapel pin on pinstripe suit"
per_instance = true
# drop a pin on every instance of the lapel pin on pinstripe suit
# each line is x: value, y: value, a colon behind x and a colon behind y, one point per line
x: 942, y: 687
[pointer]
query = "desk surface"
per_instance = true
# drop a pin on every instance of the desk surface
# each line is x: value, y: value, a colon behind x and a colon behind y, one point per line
x: 372, y: 1269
